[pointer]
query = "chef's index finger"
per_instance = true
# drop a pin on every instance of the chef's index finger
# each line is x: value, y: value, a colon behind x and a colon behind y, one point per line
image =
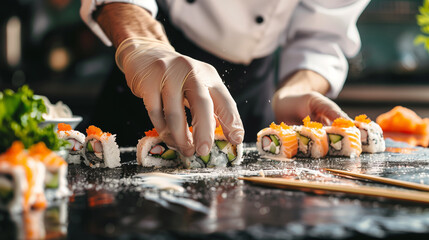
x: 227, y: 113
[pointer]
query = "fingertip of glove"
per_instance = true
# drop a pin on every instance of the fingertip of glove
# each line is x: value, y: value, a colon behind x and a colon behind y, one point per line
x: 237, y: 136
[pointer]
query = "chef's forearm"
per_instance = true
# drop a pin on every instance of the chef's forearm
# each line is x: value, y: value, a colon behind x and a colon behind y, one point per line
x: 303, y: 81
x: 122, y: 20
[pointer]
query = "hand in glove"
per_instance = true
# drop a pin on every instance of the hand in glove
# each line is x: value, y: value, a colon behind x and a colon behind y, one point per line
x: 298, y: 99
x: 165, y: 80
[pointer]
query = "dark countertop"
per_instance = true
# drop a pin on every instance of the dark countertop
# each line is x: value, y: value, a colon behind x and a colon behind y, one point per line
x: 114, y: 203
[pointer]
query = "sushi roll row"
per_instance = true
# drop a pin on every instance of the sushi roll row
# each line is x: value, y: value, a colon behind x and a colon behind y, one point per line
x: 153, y: 152
x: 28, y: 178
x: 343, y: 138
x: 97, y: 149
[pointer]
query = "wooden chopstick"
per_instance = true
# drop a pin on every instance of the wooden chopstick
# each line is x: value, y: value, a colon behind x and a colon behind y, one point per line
x: 404, y: 195
x: 390, y: 181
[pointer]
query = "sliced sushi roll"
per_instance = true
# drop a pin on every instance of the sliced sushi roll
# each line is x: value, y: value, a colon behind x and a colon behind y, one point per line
x: 100, y: 149
x: 76, y: 140
x: 222, y: 154
x: 277, y: 141
x: 21, y: 180
x: 371, y: 135
x: 56, y: 171
x: 312, y: 139
x: 344, y: 138
x: 153, y: 152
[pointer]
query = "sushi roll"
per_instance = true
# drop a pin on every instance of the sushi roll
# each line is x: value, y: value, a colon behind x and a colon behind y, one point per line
x: 277, y: 141
x: 222, y: 154
x: 312, y: 139
x: 56, y: 171
x: 344, y: 138
x: 153, y: 152
x: 371, y: 135
x: 100, y: 149
x: 76, y: 140
x: 21, y: 180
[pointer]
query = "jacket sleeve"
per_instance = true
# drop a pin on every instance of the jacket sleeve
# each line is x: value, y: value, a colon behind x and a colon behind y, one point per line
x: 320, y: 36
x: 89, y: 6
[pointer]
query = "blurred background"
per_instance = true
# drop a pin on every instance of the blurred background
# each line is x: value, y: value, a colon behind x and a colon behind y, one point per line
x: 45, y: 44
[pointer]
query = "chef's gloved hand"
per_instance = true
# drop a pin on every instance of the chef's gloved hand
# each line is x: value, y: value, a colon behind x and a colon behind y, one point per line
x: 294, y: 101
x: 166, y: 80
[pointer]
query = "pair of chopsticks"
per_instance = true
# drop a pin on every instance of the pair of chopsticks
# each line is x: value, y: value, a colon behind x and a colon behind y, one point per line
x: 403, y: 195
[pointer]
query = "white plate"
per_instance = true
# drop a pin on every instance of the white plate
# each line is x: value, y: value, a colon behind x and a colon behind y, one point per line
x: 73, y: 122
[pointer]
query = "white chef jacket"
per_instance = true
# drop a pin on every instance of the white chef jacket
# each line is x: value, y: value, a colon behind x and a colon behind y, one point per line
x: 313, y: 34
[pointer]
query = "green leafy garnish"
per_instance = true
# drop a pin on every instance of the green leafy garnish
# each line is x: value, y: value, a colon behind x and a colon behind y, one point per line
x: 423, y: 22
x: 20, y: 114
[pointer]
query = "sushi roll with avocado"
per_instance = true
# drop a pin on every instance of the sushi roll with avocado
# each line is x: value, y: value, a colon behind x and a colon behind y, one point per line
x: 344, y: 138
x: 371, y: 135
x: 277, y: 141
x: 153, y: 152
x: 312, y: 139
x: 21, y: 180
x: 76, y: 140
x: 56, y: 171
x: 100, y: 149
x: 222, y: 154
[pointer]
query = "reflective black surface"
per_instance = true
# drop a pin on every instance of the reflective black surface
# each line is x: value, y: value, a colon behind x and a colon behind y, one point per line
x: 116, y: 203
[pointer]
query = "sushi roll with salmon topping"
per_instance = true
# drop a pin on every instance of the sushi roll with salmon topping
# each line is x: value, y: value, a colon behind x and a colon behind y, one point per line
x: 222, y: 154
x: 371, y: 135
x: 312, y: 139
x: 76, y: 140
x: 21, y: 180
x: 277, y: 141
x: 153, y: 152
x: 344, y: 138
x: 100, y: 149
x: 56, y: 171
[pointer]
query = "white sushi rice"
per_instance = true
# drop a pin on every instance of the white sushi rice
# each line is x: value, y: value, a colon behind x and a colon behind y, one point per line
x: 111, y: 153
x: 371, y: 137
x: 144, y: 145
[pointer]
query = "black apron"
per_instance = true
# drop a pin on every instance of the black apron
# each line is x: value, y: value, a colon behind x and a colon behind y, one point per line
x: 252, y: 86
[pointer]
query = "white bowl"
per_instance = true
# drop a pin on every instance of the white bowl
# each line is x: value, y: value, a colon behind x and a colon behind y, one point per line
x: 73, y: 122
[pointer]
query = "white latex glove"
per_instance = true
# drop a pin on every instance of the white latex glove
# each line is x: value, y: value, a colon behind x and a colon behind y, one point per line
x: 292, y: 108
x: 165, y: 79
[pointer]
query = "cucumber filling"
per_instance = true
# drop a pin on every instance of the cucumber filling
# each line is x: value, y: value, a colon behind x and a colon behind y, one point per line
x: 6, y: 189
x: 205, y: 158
x: 335, y: 140
x: 227, y: 148
x: 169, y: 155
x: 52, y: 180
